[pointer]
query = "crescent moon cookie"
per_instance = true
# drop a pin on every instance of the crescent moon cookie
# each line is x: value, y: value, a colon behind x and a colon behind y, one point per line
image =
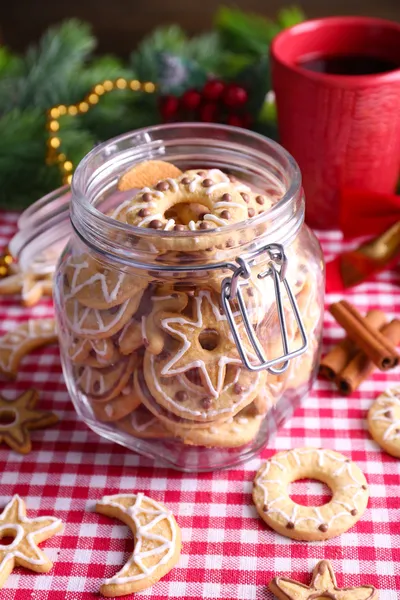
x: 31, y: 286
x: 118, y: 407
x: 94, y: 353
x: 157, y: 542
x: 27, y: 533
x: 18, y: 417
x: 22, y: 340
x: 384, y: 421
x: 102, y: 385
x: 93, y: 323
x: 323, y: 585
x: 96, y: 286
x: 345, y: 479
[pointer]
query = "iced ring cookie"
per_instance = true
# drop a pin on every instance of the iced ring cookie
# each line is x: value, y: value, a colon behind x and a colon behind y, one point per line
x: 212, y: 189
x: 384, y: 421
x: 345, y: 479
x: 157, y: 542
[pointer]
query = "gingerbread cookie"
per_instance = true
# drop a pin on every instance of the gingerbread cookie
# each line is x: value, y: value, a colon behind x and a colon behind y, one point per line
x: 141, y: 423
x: 118, y: 407
x: 94, y: 353
x: 205, y: 343
x: 157, y: 542
x: 102, y: 385
x: 30, y: 286
x: 235, y: 432
x: 146, y: 331
x: 384, y: 421
x: 323, y: 586
x: 92, y: 323
x: 147, y: 173
x: 22, y: 340
x: 211, y: 189
x: 18, y: 417
x: 277, y: 509
x: 96, y: 286
x: 27, y: 533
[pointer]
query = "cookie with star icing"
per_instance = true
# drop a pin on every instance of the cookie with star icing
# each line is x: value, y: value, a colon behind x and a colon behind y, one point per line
x: 384, y: 421
x: 344, y: 478
x: 205, y: 349
x: 93, y: 323
x: 323, y: 586
x: 27, y: 534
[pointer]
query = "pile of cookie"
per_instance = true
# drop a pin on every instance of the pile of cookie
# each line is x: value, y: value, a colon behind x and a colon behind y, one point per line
x: 152, y: 353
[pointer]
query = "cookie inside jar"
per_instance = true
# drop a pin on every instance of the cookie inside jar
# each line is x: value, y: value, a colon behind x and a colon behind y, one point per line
x: 151, y: 356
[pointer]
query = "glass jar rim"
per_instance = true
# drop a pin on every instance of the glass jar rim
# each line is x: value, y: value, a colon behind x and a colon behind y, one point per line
x: 86, y: 217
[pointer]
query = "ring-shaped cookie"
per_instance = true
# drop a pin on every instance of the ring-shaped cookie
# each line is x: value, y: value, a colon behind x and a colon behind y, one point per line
x: 384, y: 421
x: 274, y: 505
x: 211, y: 189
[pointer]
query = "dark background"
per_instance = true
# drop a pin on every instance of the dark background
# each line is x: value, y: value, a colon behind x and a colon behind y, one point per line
x: 120, y: 24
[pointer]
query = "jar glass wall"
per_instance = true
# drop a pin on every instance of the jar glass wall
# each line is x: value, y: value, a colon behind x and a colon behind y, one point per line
x: 149, y: 356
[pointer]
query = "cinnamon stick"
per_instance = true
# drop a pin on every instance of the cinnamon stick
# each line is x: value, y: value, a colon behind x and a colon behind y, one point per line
x: 336, y: 360
x: 361, y: 366
x: 379, y: 349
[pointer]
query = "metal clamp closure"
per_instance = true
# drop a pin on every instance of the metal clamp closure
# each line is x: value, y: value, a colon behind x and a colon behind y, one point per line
x: 231, y: 290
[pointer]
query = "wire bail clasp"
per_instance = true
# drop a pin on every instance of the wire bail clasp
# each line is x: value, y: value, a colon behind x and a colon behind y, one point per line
x: 231, y: 290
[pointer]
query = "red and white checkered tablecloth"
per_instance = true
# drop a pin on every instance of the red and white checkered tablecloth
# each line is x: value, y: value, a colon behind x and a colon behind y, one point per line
x: 228, y: 552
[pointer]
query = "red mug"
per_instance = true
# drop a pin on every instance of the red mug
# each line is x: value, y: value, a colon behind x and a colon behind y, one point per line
x: 343, y: 130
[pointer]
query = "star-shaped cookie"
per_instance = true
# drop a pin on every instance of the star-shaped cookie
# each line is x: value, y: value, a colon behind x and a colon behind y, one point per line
x: 206, y: 343
x: 18, y: 417
x: 323, y: 587
x: 26, y: 533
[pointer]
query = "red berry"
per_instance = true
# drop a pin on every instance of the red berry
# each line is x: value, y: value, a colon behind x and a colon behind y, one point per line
x: 169, y: 106
x: 191, y: 99
x: 235, y: 120
x: 209, y: 113
x: 234, y: 96
x: 213, y: 89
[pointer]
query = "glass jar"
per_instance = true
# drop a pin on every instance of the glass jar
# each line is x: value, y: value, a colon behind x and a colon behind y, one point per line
x: 189, y: 343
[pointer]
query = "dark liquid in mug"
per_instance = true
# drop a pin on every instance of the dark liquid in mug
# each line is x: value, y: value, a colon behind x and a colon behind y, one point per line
x: 348, y: 64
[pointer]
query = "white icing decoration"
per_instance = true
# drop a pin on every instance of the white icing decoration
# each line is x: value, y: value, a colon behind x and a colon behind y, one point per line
x: 214, y: 219
x: 143, y: 533
x: 389, y: 399
x: 109, y: 410
x: 14, y: 341
x: 143, y: 426
x: 169, y: 225
x: 193, y: 183
x: 209, y: 414
x: 198, y: 323
x: 156, y: 193
x: 11, y: 551
x: 217, y: 186
x: 77, y: 322
x: 109, y: 295
x: 149, y: 219
x: 192, y: 225
x: 224, y: 204
x: 173, y: 184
